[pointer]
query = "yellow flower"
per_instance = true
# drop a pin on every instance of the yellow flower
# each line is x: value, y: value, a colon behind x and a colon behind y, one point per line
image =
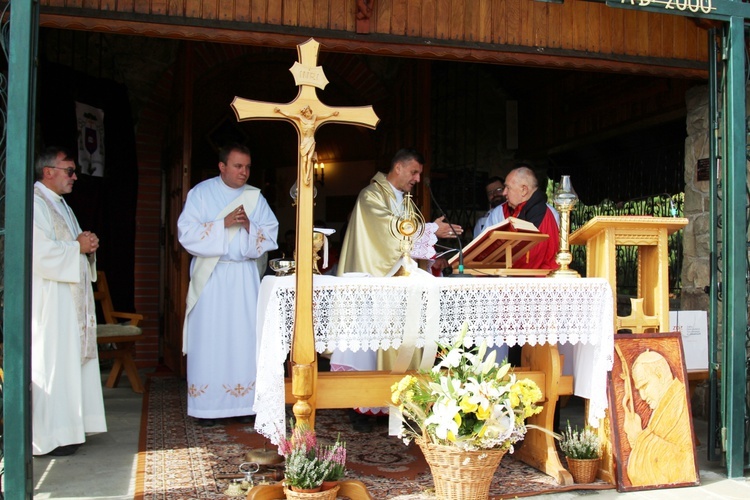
x: 483, y: 413
x: 467, y: 406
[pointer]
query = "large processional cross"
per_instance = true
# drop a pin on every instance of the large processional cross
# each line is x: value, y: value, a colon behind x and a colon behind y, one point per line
x: 306, y: 112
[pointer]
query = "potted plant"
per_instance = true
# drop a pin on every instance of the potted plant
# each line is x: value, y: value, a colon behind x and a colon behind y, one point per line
x: 308, y: 464
x: 335, y: 456
x: 582, y: 452
x: 465, y: 414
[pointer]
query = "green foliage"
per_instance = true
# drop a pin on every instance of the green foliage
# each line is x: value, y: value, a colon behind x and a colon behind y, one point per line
x: 581, y: 444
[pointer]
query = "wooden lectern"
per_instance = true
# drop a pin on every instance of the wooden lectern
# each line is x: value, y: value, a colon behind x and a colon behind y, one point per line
x: 602, y: 234
x: 498, y: 247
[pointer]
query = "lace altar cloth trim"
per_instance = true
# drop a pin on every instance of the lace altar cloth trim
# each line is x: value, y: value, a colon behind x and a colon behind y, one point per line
x: 371, y: 313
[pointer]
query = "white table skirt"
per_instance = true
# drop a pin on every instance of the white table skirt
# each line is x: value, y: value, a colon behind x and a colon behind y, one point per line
x: 365, y: 313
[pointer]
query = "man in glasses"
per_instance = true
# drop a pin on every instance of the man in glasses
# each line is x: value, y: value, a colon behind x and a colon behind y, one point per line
x: 66, y: 392
x: 494, y: 188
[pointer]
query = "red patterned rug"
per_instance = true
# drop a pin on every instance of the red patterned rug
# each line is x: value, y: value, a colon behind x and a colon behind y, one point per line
x: 180, y: 460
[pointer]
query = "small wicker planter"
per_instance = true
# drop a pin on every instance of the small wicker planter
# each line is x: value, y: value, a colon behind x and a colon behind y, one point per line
x: 318, y: 495
x: 458, y: 474
x: 583, y: 470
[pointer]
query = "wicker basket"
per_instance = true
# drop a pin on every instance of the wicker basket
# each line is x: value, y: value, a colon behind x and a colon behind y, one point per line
x: 583, y: 470
x: 318, y: 495
x: 458, y: 474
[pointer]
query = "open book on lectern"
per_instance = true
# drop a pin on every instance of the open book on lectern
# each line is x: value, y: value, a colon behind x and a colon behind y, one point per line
x: 498, y: 247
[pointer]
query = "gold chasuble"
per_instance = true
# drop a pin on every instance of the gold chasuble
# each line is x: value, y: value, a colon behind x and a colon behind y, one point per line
x: 368, y: 245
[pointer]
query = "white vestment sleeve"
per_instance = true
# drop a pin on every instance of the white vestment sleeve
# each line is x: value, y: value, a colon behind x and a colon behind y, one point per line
x: 52, y: 259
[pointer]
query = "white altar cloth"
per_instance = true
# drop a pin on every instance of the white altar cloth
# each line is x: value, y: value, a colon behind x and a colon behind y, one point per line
x: 378, y: 313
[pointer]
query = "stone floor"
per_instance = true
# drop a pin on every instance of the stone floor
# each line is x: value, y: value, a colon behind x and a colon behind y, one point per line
x: 105, y: 467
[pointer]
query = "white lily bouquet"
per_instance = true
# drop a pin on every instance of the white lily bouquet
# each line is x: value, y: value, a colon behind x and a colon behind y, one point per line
x: 466, y: 401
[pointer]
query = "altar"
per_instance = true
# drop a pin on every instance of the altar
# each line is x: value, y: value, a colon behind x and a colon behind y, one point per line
x: 353, y: 313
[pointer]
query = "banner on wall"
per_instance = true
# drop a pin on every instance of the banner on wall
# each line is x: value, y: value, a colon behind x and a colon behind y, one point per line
x: 90, y: 122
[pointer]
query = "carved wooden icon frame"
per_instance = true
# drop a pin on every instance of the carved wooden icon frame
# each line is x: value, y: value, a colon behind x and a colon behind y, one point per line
x: 649, y: 382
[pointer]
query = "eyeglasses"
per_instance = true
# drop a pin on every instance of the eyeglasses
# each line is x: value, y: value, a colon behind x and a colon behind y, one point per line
x: 70, y: 170
x: 497, y: 190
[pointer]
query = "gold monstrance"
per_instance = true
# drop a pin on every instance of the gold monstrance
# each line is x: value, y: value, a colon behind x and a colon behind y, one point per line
x: 406, y: 226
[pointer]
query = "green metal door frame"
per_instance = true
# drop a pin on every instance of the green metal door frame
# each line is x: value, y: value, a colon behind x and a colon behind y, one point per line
x: 734, y: 251
x: 24, y: 22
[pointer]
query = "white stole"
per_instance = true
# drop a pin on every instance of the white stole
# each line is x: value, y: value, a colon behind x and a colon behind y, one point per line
x: 204, y: 266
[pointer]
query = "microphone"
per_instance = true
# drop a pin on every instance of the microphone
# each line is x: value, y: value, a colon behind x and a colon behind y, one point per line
x: 458, y: 238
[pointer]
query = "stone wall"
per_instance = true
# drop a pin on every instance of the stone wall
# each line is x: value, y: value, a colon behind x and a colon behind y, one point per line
x: 696, y: 238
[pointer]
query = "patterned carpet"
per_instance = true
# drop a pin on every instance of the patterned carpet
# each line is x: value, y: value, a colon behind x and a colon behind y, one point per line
x: 181, y: 460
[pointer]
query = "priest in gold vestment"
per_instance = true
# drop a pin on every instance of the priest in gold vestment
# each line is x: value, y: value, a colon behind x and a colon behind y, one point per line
x: 369, y: 248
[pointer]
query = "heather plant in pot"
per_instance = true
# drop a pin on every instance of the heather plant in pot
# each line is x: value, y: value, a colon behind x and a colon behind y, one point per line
x: 308, y: 463
x: 582, y: 452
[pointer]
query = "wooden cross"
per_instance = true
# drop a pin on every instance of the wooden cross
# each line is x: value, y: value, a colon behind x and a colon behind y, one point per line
x: 638, y: 321
x: 306, y: 112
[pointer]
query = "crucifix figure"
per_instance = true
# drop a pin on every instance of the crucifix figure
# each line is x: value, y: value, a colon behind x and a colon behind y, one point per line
x: 307, y: 120
x: 306, y: 112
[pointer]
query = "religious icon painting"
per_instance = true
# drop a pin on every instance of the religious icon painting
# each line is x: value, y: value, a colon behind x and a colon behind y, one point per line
x: 649, y: 405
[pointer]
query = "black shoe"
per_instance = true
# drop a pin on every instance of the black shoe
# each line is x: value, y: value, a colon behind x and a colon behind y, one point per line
x: 64, y: 451
x: 205, y: 422
x: 363, y: 423
x: 247, y: 419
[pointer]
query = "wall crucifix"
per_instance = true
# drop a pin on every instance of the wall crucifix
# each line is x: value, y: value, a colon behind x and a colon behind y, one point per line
x: 306, y: 112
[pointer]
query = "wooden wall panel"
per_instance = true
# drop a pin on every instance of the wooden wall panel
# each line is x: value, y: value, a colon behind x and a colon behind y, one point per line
x: 383, y: 21
x: 124, y: 6
x: 225, y: 10
x: 339, y: 13
x: 499, y: 29
x: 554, y: 26
x: 139, y: 7
x: 210, y: 9
x: 242, y: 11
x: 526, y: 24
x: 429, y: 16
x: 397, y: 16
x: 574, y: 26
x: 175, y: 8
x: 593, y: 30
x: 457, y: 20
x: 513, y: 22
x: 691, y: 46
x: 630, y: 32
x: 306, y: 13
x: 273, y: 12
x: 192, y: 8
x: 320, y: 14
x: 290, y: 13
x: 414, y: 20
x: 540, y: 19
x: 578, y: 20
x: 616, y: 28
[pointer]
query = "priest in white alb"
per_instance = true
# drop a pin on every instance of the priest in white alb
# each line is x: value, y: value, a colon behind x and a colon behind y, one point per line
x: 227, y: 226
x: 66, y: 390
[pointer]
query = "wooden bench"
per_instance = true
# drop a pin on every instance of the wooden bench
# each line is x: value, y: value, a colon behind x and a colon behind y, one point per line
x: 117, y: 337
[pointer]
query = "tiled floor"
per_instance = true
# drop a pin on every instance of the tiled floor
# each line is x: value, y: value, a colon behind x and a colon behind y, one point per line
x: 105, y: 467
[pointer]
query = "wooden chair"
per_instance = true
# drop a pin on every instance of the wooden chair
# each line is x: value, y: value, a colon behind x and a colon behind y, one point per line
x: 120, y: 332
